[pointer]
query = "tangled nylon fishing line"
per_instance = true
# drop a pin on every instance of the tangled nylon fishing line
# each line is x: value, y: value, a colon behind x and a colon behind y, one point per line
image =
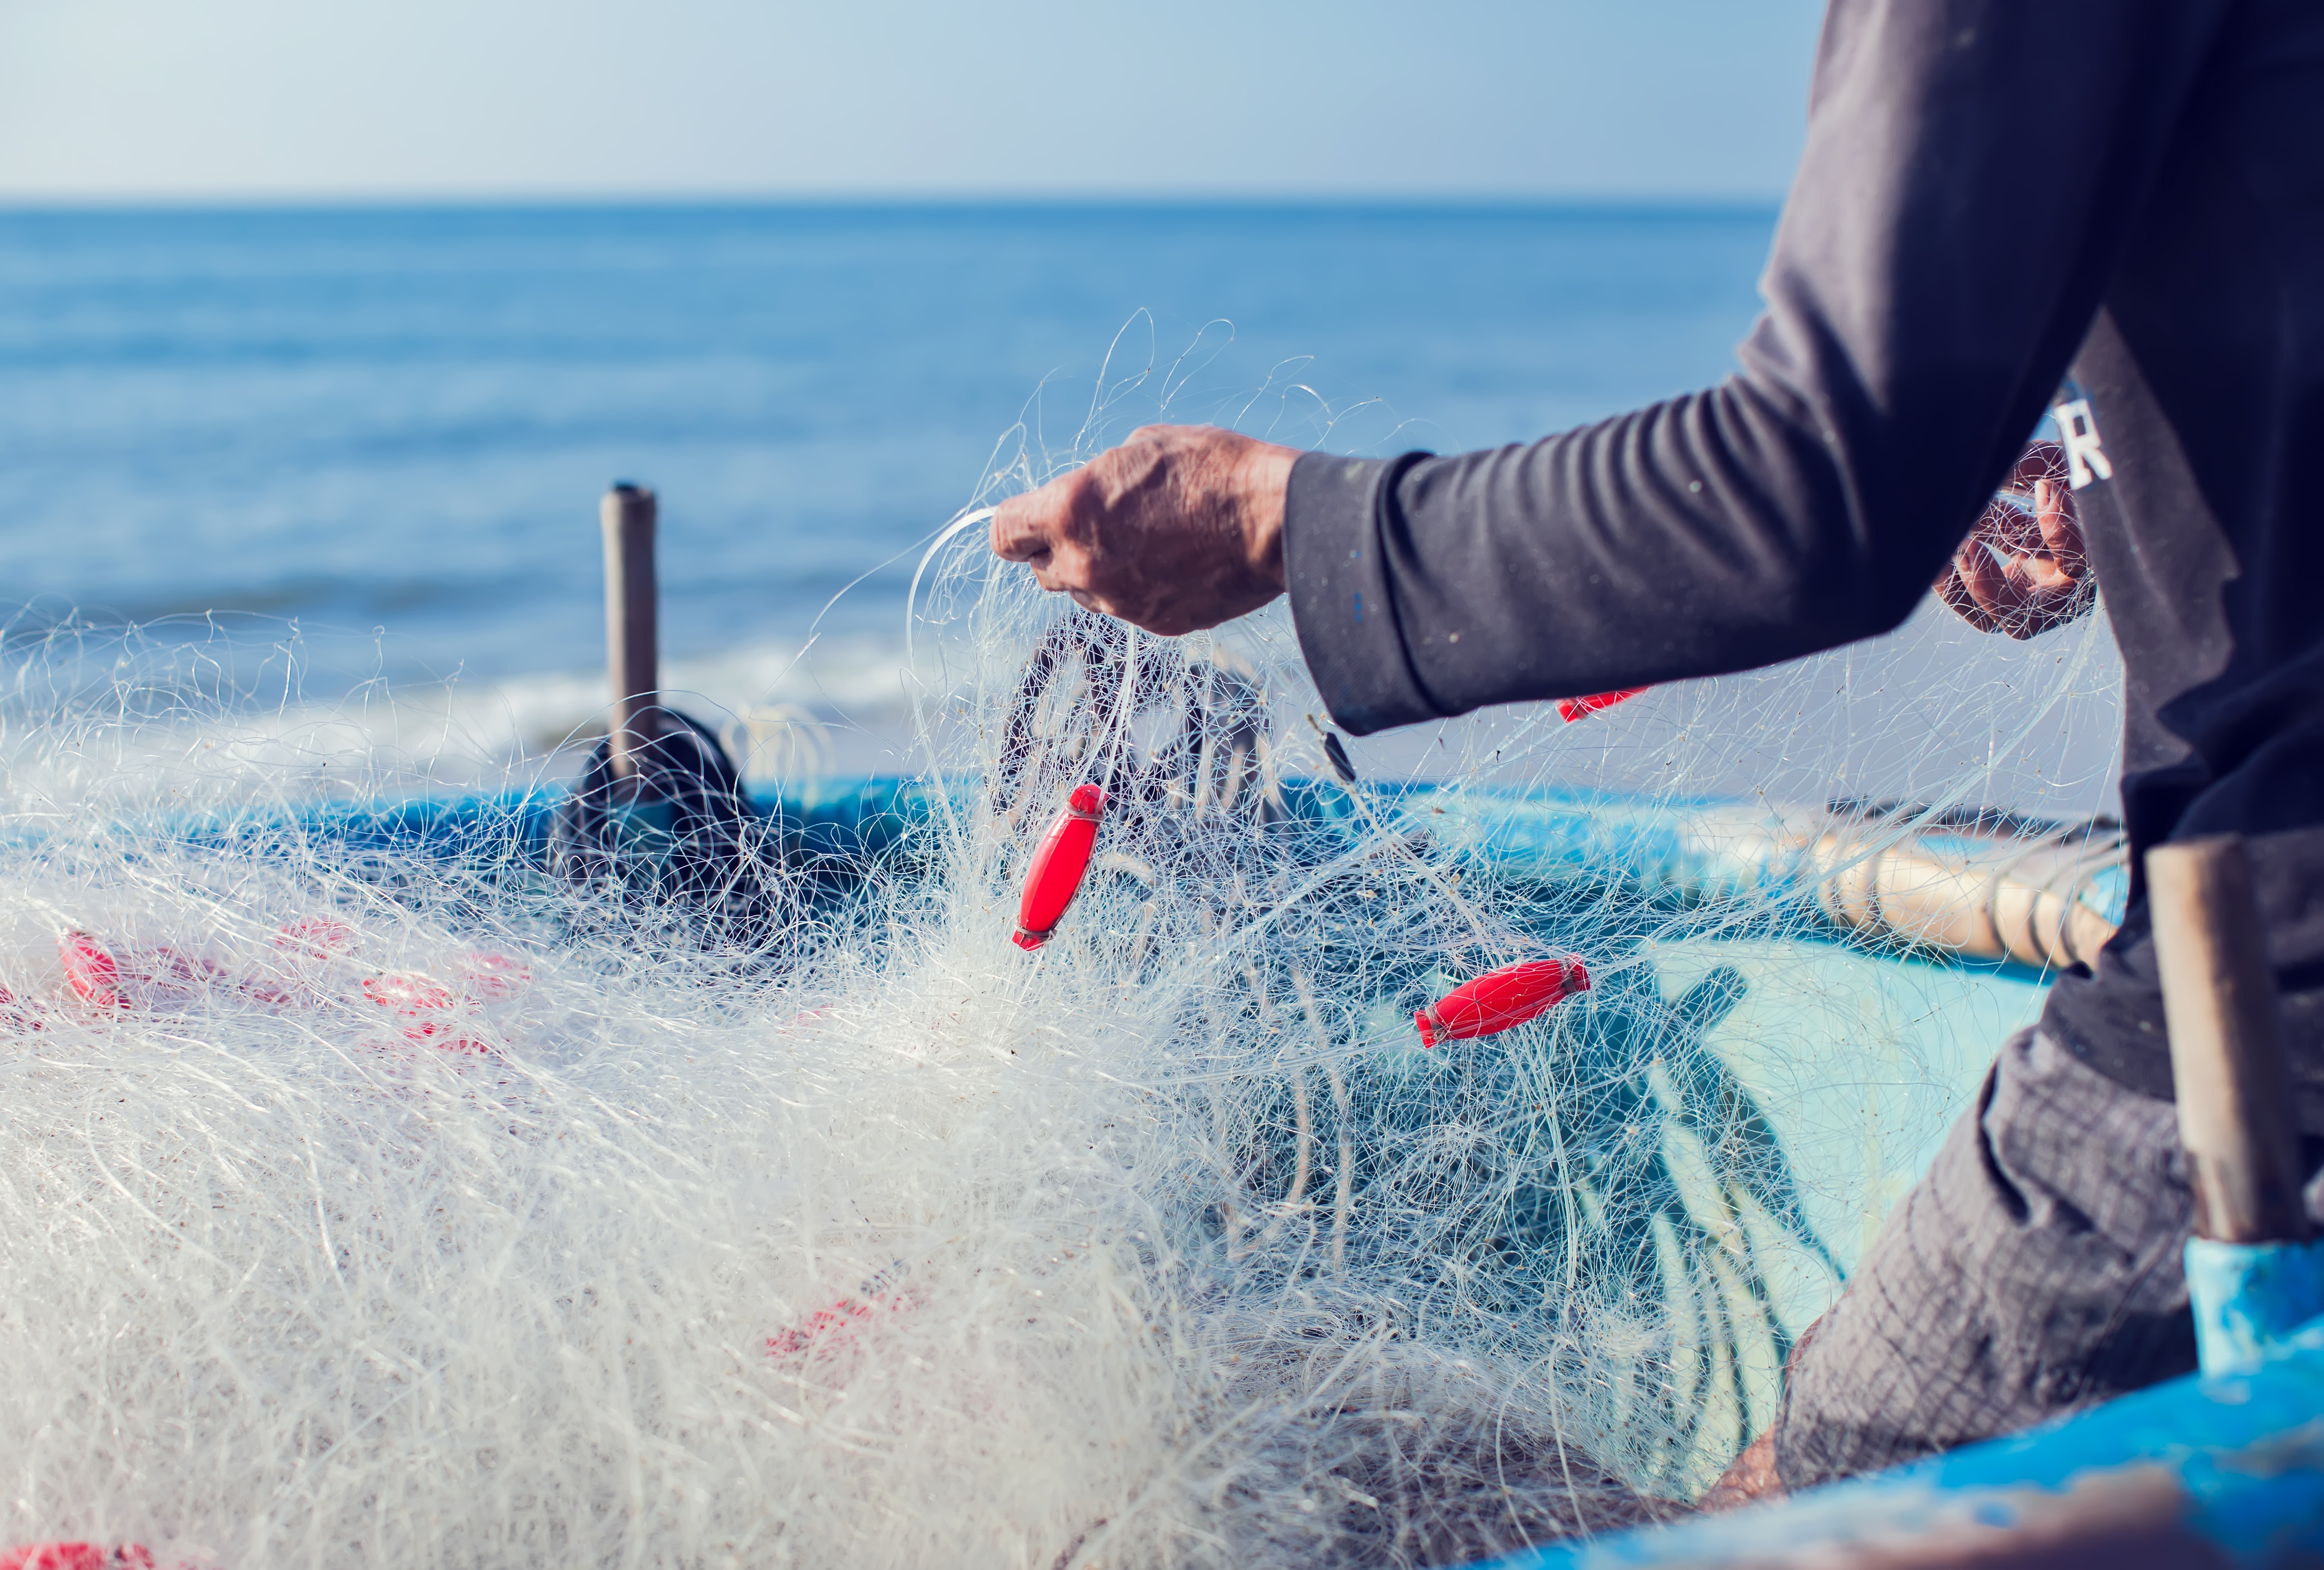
x: 377, y: 1189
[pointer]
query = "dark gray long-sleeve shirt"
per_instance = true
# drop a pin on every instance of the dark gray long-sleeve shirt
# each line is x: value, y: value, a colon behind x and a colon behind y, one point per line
x: 1997, y: 196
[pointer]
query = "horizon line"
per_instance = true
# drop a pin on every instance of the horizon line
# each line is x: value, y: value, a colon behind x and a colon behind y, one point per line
x: 1642, y: 203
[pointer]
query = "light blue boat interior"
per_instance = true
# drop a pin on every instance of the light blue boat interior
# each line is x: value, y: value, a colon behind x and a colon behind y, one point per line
x: 1859, y: 1056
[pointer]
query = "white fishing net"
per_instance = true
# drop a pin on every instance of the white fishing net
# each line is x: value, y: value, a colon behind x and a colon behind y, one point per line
x: 377, y: 1188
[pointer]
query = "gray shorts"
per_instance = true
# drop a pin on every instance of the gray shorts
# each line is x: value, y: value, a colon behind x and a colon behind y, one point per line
x: 2034, y: 1271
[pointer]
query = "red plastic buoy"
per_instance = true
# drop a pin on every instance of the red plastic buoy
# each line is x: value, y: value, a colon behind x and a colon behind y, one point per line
x: 1572, y: 708
x: 1059, y: 864
x: 1499, y: 999
x: 490, y: 978
x: 75, y: 1556
x: 90, y: 968
x: 832, y: 1329
x: 315, y: 937
x: 428, y: 1010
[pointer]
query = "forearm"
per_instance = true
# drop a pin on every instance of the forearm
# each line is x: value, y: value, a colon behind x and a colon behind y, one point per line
x: 1968, y: 172
x: 1707, y: 534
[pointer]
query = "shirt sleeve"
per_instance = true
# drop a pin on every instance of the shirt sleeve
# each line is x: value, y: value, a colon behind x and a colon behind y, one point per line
x: 1970, y: 170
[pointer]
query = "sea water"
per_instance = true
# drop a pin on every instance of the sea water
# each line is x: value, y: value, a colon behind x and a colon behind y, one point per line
x: 392, y: 424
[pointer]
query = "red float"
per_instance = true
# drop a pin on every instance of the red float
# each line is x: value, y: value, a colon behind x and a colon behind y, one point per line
x: 1059, y: 864
x: 90, y: 968
x: 428, y: 1010
x: 75, y: 1556
x: 831, y: 1330
x: 1500, y: 999
x: 315, y: 937
x: 1572, y: 708
x: 490, y: 978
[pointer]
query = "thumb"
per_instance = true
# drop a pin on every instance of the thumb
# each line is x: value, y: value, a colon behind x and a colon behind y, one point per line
x: 1023, y: 527
x: 2061, y: 523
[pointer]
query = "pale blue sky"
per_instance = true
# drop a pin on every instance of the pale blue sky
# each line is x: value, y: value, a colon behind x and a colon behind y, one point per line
x: 417, y: 98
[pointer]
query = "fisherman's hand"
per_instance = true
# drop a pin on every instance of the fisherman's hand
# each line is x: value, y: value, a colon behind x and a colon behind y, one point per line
x: 1179, y: 529
x: 2022, y: 569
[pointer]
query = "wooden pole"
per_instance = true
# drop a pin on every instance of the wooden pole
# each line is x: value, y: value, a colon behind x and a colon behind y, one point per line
x: 633, y: 645
x: 2227, y: 1058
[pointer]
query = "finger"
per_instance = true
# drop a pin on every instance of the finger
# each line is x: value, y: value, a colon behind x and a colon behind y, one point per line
x: 2019, y: 534
x: 2018, y: 528
x: 2001, y: 591
x: 2039, y: 596
x: 1987, y: 582
x: 1071, y: 568
x: 1025, y: 528
x: 1956, y: 595
x: 2030, y: 578
x: 1053, y: 570
x: 2045, y: 609
x: 2060, y: 516
x: 2004, y: 526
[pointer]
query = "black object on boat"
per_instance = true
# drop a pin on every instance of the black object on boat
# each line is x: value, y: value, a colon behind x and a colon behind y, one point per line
x: 675, y: 834
x: 658, y: 823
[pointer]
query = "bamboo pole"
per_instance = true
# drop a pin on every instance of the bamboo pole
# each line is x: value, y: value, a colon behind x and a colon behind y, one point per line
x: 632, y: 645
x: 2227, y: 1058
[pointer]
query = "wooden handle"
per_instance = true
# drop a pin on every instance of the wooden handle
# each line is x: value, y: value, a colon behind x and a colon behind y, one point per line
x: 633, y: 645
x: 2218, y: 1001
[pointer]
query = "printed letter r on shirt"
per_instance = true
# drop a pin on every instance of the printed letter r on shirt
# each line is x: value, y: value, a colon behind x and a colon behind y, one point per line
x: 2086, y: 460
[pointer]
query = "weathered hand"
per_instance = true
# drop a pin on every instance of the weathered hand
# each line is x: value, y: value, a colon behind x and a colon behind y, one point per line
x: 1179, y: 529
x: 2022, y: 569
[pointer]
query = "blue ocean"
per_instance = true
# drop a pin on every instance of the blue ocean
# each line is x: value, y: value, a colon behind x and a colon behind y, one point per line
x: 390, y: 426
